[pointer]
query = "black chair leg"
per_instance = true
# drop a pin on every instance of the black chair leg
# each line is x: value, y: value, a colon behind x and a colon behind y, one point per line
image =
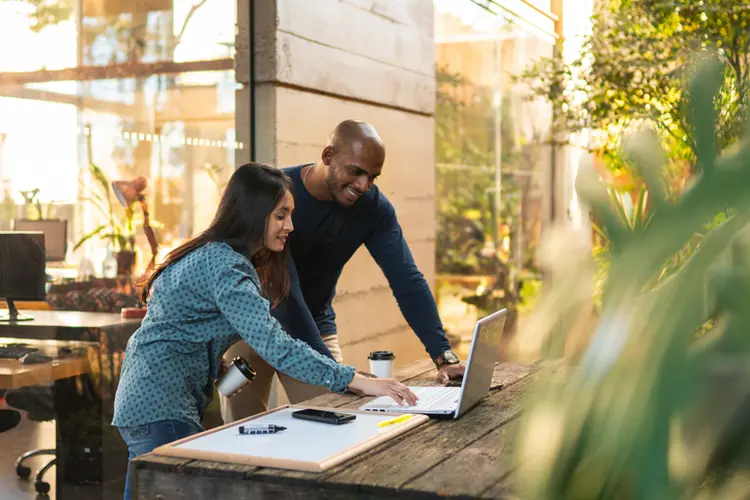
x: 41, y: 487
x: 24, y: 471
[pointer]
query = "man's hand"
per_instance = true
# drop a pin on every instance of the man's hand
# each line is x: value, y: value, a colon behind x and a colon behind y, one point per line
x: 447, y: 373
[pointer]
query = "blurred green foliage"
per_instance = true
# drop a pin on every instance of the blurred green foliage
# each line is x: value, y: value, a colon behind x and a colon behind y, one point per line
x: 632, y: 71
x: 647, y: 409
x: 634, y: 65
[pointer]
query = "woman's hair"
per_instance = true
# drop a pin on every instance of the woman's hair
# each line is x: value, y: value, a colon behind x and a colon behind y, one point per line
x: 252, y: 193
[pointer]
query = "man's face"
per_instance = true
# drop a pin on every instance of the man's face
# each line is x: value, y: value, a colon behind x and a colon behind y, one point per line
x: 352, y: 173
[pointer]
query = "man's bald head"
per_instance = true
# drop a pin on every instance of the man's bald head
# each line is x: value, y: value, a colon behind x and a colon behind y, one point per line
x: 359, y: 138
x: 354, y: 155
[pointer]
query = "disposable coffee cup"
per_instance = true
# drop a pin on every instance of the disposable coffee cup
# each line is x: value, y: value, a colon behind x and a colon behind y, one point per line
x: 381, y: 363
x: 239, y: 374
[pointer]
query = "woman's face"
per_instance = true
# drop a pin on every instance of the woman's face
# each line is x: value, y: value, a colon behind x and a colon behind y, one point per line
x: 280, y: 224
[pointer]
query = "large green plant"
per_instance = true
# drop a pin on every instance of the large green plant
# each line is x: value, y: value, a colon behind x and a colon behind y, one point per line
x: 634, y: 65
x: 647, y: 411
x: 632, y: 70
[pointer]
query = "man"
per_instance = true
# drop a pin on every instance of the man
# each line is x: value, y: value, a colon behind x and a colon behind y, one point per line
x: 338, y: 209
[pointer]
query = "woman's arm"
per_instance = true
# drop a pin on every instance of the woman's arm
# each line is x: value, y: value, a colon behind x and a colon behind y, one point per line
x: 235, y: 287
x: 239, y: 299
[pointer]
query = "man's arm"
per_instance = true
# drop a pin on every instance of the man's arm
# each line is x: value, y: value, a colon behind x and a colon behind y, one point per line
x: 391, y: 252
x: 326, y: 320
x: 295, y: 317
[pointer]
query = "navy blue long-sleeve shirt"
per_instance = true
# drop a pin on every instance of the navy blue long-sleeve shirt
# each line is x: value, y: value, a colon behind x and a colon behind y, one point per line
x: 326, y: 235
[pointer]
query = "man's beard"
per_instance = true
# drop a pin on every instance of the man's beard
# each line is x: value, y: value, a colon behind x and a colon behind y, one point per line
x: 331, y: 183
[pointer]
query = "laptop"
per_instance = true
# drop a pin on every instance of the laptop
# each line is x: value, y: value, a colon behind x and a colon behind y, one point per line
x: 455, y: 401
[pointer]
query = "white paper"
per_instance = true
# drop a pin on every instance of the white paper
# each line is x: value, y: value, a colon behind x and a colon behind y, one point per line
x: 303, y: 440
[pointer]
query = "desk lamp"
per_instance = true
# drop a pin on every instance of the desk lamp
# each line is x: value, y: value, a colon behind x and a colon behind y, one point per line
x: 128, y: 192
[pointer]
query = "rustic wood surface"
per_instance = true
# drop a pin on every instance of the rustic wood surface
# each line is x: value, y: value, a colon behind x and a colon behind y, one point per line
x: 468, y: 457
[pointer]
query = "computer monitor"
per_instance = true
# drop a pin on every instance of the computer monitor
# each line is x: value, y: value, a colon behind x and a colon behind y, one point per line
x: 22, y: 270
x: 55, y: 235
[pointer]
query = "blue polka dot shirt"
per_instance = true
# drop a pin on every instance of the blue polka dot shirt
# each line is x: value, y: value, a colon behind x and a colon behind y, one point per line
x: 199, y: 307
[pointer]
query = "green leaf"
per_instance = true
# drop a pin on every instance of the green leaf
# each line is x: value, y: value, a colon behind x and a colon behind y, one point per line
x: 100, y: 177
x: 703, y: 111
x: 88, y: 236
x: 102, y: 209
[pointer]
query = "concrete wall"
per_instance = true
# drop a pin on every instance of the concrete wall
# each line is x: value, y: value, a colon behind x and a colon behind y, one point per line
x: 323, y: 61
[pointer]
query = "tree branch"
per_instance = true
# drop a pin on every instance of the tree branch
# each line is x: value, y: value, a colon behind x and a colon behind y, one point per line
x: 190, y: 13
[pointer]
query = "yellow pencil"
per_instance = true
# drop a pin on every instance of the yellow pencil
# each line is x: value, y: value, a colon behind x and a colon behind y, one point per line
x: 397, y: 420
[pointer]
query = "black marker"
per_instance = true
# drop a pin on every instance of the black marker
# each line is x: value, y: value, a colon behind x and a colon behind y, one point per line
x: 261, y: 429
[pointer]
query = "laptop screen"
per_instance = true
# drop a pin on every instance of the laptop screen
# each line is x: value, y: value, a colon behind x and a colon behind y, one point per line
x: 485, y: 351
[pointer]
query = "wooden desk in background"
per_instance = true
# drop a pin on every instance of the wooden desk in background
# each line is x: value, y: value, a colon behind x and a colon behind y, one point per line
x: 70, y: 325
x: 89, y: 450
x: 468, y: 457
x: 23, y: 305
x: 14, y: 374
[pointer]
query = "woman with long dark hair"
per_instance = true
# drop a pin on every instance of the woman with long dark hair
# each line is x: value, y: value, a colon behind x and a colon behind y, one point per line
x: 210, y: 292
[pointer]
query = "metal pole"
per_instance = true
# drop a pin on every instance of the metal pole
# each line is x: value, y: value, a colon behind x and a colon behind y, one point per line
x: 523, y: 185
x: 244, y: 74
x: 81, y: 211
x: 498, y: 148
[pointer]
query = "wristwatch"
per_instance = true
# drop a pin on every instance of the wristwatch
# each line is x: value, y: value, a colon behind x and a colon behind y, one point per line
x: 447, y: 358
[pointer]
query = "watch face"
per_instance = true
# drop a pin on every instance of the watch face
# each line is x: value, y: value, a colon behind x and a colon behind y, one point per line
x: 450, y: 358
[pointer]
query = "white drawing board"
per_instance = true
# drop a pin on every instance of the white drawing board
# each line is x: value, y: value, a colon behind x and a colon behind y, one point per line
x: 304, y: 445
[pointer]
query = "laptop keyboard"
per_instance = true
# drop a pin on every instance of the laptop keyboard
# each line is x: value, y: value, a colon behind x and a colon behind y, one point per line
x: 429, y: 398
x: 15, y: 351
x: 444, y: 397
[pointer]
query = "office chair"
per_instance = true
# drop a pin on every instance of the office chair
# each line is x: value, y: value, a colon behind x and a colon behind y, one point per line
x: 9, y: 419
x: 37, y: 401
x: 24, y: 472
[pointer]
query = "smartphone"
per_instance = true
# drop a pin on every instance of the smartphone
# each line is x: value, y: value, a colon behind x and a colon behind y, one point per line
x: 326, y: 417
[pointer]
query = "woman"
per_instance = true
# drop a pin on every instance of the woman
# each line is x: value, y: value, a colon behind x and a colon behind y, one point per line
x: 210, y: 292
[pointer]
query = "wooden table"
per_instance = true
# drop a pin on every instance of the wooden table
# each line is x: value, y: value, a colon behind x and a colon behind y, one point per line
x: 67, y: 325
x: 14, y: 374
x: 468, y: 457
x: 89, y: 450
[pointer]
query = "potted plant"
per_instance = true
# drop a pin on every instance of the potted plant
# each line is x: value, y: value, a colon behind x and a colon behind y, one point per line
x: 118, y: 230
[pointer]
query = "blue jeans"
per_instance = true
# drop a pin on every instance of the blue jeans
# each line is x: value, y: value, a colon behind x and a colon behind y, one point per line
x: 143, y: 439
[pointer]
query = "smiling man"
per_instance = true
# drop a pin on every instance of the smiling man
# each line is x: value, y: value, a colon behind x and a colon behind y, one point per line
x: 339, y: 209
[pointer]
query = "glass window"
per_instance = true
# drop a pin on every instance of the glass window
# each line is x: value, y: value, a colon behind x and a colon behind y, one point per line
x: 490, y: 151
x: 142, y: 89
x: 157, y: 30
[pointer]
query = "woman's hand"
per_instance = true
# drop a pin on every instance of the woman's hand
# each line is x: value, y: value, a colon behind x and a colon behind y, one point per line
x: 357, y: 391
x: 224, y: 367
x: 383, y: 387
